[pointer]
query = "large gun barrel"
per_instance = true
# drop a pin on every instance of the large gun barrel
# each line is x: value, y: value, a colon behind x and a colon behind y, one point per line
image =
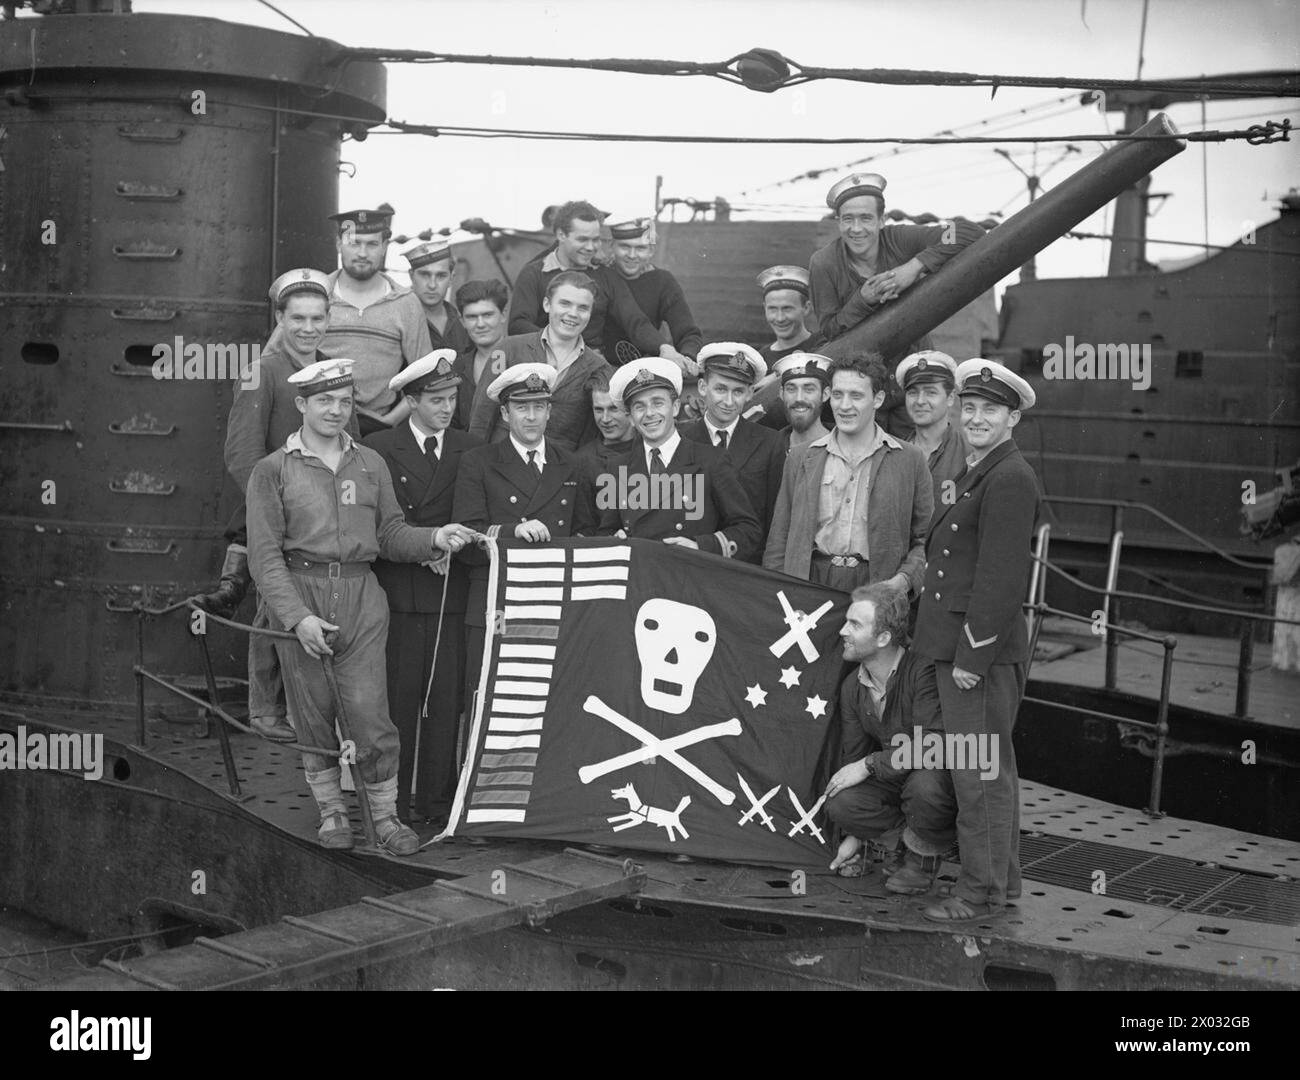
x: 993, y: 256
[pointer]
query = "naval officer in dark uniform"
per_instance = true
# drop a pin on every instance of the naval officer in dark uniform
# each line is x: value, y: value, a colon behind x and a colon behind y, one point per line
x: 528, y: 484
x: 423, y: 455
x: 728, y: 373
x: 705, y: 505
x: 970, y: 626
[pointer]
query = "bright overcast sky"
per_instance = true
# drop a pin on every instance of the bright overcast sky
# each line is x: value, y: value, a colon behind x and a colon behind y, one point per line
x: 438, y: 182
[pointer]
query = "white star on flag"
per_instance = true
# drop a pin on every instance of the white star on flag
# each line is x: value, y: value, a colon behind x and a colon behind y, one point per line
x: 789, y: 678
x: 757, y: 695
x: 816, y: 707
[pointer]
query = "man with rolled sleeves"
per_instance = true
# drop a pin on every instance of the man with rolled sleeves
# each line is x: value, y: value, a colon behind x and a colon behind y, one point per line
x: 320, y: 510
x: 669, y: 488
x: 928, y: 381
x: 529, y: 484
x: 728, y: 372
x: 969, y: 625
x: 568, y: 304
x: 262, y: 416
x: 432, y: 269
x: 655, y: 291
x: 854, y: 505
x: 805, y: 392
x: 426, y: 603
x: 787, y: 309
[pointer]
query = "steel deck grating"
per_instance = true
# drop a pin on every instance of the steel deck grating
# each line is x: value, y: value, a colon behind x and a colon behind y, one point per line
x: 1160, y: 880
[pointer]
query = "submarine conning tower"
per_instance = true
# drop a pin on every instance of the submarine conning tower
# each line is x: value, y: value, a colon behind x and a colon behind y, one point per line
x: 158, y: 172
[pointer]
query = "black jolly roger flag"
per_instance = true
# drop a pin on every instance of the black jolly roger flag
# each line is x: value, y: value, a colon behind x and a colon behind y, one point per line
x: 651, y: 697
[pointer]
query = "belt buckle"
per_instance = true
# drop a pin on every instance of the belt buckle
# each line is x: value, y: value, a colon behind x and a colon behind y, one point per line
x: 335, y: 570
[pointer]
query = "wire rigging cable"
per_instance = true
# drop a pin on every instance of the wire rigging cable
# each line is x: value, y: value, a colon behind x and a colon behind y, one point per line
x: 766, y: 70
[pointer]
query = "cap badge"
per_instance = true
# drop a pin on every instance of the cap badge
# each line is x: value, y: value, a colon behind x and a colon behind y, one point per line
x: 922, y: 364
x: 644, y: 375
x: 986, y: 375
x: 533, y: 382
x: 443, y: 367
x: 361, y: 216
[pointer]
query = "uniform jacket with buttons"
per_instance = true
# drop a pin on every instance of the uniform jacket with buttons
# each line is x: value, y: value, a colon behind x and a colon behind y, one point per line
x: 977, y: 567
x: 900, y: 498
x: 495, y: 486
x: 726, y: 523
x: 424, y: 491
x: 758, y: 456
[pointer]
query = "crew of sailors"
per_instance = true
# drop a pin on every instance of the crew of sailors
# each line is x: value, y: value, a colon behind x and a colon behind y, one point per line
x: 391, y: 424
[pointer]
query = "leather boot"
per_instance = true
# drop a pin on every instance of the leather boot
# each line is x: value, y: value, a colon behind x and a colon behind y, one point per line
x: 234, y: 583
x: 917, y: 875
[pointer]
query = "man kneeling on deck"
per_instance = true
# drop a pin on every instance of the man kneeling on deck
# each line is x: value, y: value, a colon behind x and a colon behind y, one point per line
x: 887, y: 696
x: 320, y: 510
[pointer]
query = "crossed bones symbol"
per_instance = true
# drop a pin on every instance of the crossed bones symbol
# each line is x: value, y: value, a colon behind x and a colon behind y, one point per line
x: 654, y: 747
x: 800, y: 625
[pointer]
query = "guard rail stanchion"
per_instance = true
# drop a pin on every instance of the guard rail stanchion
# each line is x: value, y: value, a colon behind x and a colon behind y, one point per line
x: 223, y: 734
x: 1162, y: 727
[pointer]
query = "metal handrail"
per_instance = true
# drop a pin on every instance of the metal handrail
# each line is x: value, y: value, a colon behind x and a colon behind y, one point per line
x: 1169, y: 643
x: 1119, y: 505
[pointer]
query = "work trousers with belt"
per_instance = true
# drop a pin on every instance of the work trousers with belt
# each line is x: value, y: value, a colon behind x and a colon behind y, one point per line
x: 411, y: 640
x: 359, y: 608
x: 821, y: 571
x: 988, y: 810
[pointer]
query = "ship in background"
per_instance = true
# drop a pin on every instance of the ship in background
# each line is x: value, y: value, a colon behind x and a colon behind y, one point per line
x: 154, y: 243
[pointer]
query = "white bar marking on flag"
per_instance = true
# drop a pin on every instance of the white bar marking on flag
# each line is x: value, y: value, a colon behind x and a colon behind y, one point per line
x: 544, y: 592
x: 600, y: 573
x: 524, y: 612
x: 534, y: 671
x: 494, y: 815
x: 511, y: 742
x: 603, y: 554
x: 546, y: 573
x: 523, y: 689
x: 511, y: 705
x: 536, y: 652
x: 515, y: 723
x: 600, y: 592
x: 535, y: 555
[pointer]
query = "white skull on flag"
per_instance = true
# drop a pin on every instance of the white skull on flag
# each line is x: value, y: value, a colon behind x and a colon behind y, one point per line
x: 674, y: 643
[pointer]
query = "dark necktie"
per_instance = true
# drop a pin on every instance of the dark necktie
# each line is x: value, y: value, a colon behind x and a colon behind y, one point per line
x: 431, y: 449
x: 532, y: 460
x: 722, y: 441
x: 656, y: 461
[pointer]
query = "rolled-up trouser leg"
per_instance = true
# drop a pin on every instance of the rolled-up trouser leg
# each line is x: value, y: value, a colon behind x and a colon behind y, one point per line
x: 358, y: 606
x: 868, y: 809
x: 987, y: 809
